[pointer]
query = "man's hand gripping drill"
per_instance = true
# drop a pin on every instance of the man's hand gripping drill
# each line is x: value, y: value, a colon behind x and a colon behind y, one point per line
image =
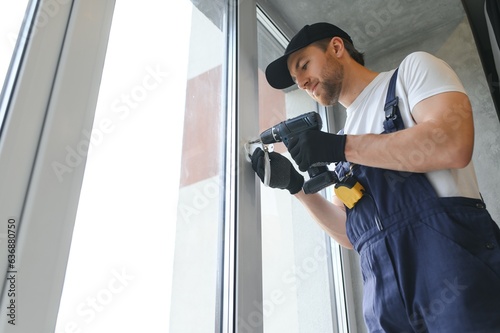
x: 273, y: 168
x: 312, y: 150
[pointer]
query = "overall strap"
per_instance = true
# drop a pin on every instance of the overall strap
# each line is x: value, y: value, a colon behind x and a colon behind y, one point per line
x: 393, y: 121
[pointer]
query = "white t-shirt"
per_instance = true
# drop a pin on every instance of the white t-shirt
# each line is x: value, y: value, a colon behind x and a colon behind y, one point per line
x: 421, y: 75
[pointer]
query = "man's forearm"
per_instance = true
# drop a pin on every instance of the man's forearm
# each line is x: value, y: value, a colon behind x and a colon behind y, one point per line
x: 331, y: 217
x: 442, y: 139
x: 417, y: 149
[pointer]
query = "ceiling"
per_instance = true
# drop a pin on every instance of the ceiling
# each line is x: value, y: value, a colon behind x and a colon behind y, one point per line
x: 376, y: 26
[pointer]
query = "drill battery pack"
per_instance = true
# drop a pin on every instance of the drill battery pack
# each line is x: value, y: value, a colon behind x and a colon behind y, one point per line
x: 349, y: 191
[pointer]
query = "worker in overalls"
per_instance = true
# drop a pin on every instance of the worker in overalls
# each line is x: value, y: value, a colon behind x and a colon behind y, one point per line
x: 429, y: 250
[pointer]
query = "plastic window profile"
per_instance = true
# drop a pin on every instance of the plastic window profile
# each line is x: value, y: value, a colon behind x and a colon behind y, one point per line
x: 16, y: 61
x: 242, y: 299
x: 56, y: 89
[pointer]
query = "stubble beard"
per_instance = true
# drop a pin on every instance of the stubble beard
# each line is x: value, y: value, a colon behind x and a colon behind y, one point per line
x: 332, y: 84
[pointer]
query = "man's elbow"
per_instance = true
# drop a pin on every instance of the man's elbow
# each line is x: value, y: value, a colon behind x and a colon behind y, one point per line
x: 347, y: 245
x: 459, y: 148
x: 461, y: 157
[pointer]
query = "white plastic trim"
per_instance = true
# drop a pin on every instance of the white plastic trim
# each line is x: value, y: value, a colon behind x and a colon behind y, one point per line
x: 54, y: 103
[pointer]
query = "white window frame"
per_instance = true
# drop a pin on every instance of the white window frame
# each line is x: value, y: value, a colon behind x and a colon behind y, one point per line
x: 49, y: 102
x: 243, y: 252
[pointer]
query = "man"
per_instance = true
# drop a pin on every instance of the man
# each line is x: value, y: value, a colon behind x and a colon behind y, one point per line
x: 429, y: 250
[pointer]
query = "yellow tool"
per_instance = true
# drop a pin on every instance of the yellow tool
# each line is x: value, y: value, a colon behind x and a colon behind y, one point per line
x: 349, y: 191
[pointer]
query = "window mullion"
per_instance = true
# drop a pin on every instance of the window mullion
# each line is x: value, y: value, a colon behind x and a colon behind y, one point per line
x: 243, y: 216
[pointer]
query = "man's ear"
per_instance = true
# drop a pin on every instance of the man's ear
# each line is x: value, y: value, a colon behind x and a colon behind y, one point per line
x: 337, y: 46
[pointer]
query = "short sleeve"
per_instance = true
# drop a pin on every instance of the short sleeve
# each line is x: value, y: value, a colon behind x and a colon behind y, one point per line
x: 424, y: 75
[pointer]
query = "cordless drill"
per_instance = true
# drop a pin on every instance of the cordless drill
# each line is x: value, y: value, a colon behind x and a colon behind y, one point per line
x: 319, y: 174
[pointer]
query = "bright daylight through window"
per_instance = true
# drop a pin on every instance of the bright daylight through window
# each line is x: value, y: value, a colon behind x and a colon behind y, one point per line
x: 119, y: 276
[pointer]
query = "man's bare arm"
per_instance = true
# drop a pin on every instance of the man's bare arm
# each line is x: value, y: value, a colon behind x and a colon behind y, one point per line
x: 442, y: 139
x: 330, y: 216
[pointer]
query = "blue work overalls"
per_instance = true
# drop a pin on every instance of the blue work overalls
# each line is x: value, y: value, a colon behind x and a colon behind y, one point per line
x: 429, y: 264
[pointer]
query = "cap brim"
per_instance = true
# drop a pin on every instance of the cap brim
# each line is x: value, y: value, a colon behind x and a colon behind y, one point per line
x: 277, y: 73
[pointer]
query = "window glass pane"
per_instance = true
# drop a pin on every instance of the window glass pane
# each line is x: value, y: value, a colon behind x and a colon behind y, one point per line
x: 198, y: 240
x: 144, y: 255
x: 297, y: 283
x: 11, y: 18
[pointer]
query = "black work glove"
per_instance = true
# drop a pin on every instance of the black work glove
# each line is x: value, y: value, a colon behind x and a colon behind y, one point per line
x: 311, y: 147
x: 283, y: 174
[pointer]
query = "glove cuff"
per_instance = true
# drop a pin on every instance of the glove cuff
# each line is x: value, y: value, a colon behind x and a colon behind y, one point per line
x: 296, y: 182
x: 340, y: 148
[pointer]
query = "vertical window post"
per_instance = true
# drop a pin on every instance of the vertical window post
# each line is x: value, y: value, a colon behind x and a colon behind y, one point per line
x: 244, y: 304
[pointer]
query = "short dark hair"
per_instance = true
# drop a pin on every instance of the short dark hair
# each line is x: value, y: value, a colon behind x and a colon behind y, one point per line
x: 355, y: 54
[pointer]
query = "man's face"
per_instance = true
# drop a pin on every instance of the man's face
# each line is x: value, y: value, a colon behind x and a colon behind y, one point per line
x: 317, y: 72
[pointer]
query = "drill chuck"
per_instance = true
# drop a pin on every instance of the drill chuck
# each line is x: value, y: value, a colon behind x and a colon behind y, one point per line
x: 282, y: 131
x: 270, y: 136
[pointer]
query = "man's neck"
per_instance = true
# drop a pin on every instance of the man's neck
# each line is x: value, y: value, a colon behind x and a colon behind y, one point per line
x: 356, y: 79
